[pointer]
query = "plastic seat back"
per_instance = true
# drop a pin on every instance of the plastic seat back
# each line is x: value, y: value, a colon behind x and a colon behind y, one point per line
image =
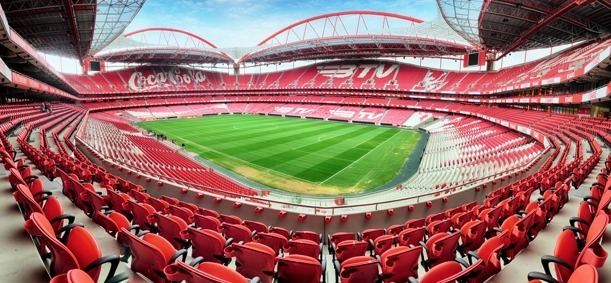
x: 169, y: 227
x: 592, y: 252
x: 350, y: 249
x: 273, y: 240
x: 383, y: 243
x: 307, y: 235
x: 472, y: 235
x: 303, y: 247
x: 359, y: 269
x: 411, y: 236
x: 140, y: 212
x: 298, y: 269
x: 151, y: 254
x: 184, y: 213
x: 206, y: 243
x: 439, y: 226
x: 73, y: 276
x: 441, y: 248
x: 414, y: 223
x: 255, y: 226
x: 253, y: 260
x: 205, y: 221
x: 206, y: 272
x: 231, y: 219
x: 400, y: 263
x: 237, y: 232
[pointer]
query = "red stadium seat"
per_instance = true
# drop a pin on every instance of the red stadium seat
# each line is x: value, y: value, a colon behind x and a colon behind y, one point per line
x: 207, y: 244
x: 80, y: 251
x: 411, y: 236
x: 517, y: 237
x: 272, y: 240
x: 382, y: 244
x: 297, y: 268
x: 583, y: 274
x: 400, y: 263
x: 255, y: 226
x: 348, y: 249
x: 304, y: 247
x: 169, y: 227
x: 151, y: 254
x: 237, y: 232
x: 472, y: 236
x: 279, y: 230
x: 205, y: 221
x: 253, y: 260
x: 447, y: 272
x: 205, y: 272
x: 439, y: 226
x: 358, y: 269
x: 140, y: 213
x: 414, y: 223
x: 307, y: 235
x: 73, y: 276
x: 440, y: 248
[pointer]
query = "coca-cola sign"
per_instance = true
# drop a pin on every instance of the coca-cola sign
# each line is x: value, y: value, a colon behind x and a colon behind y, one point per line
x: 175, y: 77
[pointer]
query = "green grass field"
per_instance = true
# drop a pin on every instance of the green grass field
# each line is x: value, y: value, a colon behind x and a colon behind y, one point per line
x: 295, y: 155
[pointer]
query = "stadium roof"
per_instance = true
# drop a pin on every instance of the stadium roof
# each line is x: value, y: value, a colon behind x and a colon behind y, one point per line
x: 163, y: 46
x: 70, y: 28
x: 350, y: 34
x: 355, y: 34
x: 510, y: 25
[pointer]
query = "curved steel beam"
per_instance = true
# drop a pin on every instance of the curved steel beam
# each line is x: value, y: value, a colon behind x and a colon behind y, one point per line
x: 172, y: 30
x: 336, y: 14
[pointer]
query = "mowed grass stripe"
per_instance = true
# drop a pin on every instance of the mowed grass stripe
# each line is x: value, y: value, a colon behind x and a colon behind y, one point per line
x: 343, y: 159
x: 277, y: 160
x: 306, y: 156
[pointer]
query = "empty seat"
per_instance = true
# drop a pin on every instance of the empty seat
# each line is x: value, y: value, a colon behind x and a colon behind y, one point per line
x: 151, y: 254
x: 169, y: 227
x: 304, y: 247
x: 348, y: 249
x: 297, y: 268
x: 583, y: 274
x: 273, y: 240
x: 360, y: 269
x: 205, y: 272
x: 253, y: 260
x: 400, y: 263
x: 237, y: 232
x: 440, y: 248
x: 207, y: 244
x: 79, y: 250
x: 411, y: 236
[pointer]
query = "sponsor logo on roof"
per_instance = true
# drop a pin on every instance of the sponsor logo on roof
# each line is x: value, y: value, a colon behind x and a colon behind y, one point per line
x: 360, y: 71
x: 176, y: 77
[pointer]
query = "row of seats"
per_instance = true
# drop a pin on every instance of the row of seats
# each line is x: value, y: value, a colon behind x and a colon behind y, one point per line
x: 436, y: 225
x: 578, y: 252
x: 399, y: 76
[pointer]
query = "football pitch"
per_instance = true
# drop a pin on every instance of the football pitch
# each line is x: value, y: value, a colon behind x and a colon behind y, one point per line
x: 296, y: 155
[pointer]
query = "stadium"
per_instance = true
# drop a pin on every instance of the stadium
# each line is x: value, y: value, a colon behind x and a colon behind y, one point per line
x: 435, y: 141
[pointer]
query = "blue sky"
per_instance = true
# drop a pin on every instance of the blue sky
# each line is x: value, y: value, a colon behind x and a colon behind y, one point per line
x: 238, y: 23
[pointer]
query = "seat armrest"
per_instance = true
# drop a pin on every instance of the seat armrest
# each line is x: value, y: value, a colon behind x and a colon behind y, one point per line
x: 70, y: 218
x: 462, y: 262
x: 547, y: 259
x: 196, y: 261
x: 541, y: 276
x: 66, y: 231
x: 180, y: 253
x: 112, y: 259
